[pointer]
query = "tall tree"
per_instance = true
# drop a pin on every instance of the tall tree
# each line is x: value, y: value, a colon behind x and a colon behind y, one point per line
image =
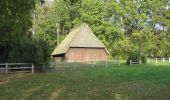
x: 15, y: 22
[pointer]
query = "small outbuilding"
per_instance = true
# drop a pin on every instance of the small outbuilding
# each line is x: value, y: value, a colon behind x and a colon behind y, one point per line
x: 80, y: 45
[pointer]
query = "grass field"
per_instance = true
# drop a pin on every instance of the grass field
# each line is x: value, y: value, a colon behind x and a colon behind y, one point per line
x: 139, y: 82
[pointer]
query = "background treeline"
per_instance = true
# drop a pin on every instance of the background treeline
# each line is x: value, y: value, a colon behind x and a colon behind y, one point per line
x: 31, y: 29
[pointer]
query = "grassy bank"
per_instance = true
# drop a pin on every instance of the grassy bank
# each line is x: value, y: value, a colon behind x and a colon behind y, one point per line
x: 139, y: 82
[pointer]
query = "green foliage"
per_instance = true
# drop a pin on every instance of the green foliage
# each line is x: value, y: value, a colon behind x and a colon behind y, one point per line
x: 120, y: 24
x: 15, y: 22
x: 136, y: 56
x: 16, y: 42
x: 29, y: 51
x: 42, y: 52
x: 22, y: 51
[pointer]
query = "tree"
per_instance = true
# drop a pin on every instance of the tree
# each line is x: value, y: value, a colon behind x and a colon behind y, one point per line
x: 14, y: 23
x: 122, y: 25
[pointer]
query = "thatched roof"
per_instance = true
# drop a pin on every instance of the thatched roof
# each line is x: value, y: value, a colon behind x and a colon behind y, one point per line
x: 81, y: 36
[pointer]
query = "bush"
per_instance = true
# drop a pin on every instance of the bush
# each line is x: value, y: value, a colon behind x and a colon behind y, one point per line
x: 41, y: 54
x: 25, y: 50
x: 135, y: 56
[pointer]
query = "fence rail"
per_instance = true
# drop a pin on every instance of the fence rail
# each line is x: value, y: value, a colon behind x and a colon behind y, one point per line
x: 158, y: 60
x: 56, y: 66
x: 6, y: 67
x: 135, y: 62
x: 150, y: 60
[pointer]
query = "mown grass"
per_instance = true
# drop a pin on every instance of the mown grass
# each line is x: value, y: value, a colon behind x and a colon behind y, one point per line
x: 139, y: 82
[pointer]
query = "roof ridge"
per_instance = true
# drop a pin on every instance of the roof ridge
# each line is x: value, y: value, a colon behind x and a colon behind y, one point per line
x: 81, y: 28
x: 78, y: 27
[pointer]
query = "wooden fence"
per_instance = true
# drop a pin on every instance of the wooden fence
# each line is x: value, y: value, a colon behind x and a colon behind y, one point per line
x: 135, y: 62
x: 153, y: 60
x: 158, y: 60
x: 6, y: 67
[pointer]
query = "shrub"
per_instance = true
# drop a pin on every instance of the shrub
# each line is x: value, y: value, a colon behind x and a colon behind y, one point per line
x: 41, y: 54
x: 135, y: 56
x: 25, y: 50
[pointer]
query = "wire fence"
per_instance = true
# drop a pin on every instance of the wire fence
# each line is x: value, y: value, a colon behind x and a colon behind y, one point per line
x: 74, y: 66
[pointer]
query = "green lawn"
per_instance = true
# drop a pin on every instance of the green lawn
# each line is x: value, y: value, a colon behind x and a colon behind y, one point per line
x: 139, y: 82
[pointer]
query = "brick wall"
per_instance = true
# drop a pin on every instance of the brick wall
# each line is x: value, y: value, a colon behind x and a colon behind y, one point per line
x: 86, y: 54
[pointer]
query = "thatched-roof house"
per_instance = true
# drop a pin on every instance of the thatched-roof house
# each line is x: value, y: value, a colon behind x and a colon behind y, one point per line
x: 81, y: 45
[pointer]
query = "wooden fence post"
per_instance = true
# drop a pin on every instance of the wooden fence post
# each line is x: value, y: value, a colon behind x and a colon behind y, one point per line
x: 119, y: 62
x: 74, y: 66
x: 6, y: 68
x: 148, y: 60
x: 163, y: 59
x: 32, y: 69
x: 130, y: 62
x: 106, y: 63
x: 54, y: 64
x: 156, y: 60
x: 91, y: 64
x: 140, y: 62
